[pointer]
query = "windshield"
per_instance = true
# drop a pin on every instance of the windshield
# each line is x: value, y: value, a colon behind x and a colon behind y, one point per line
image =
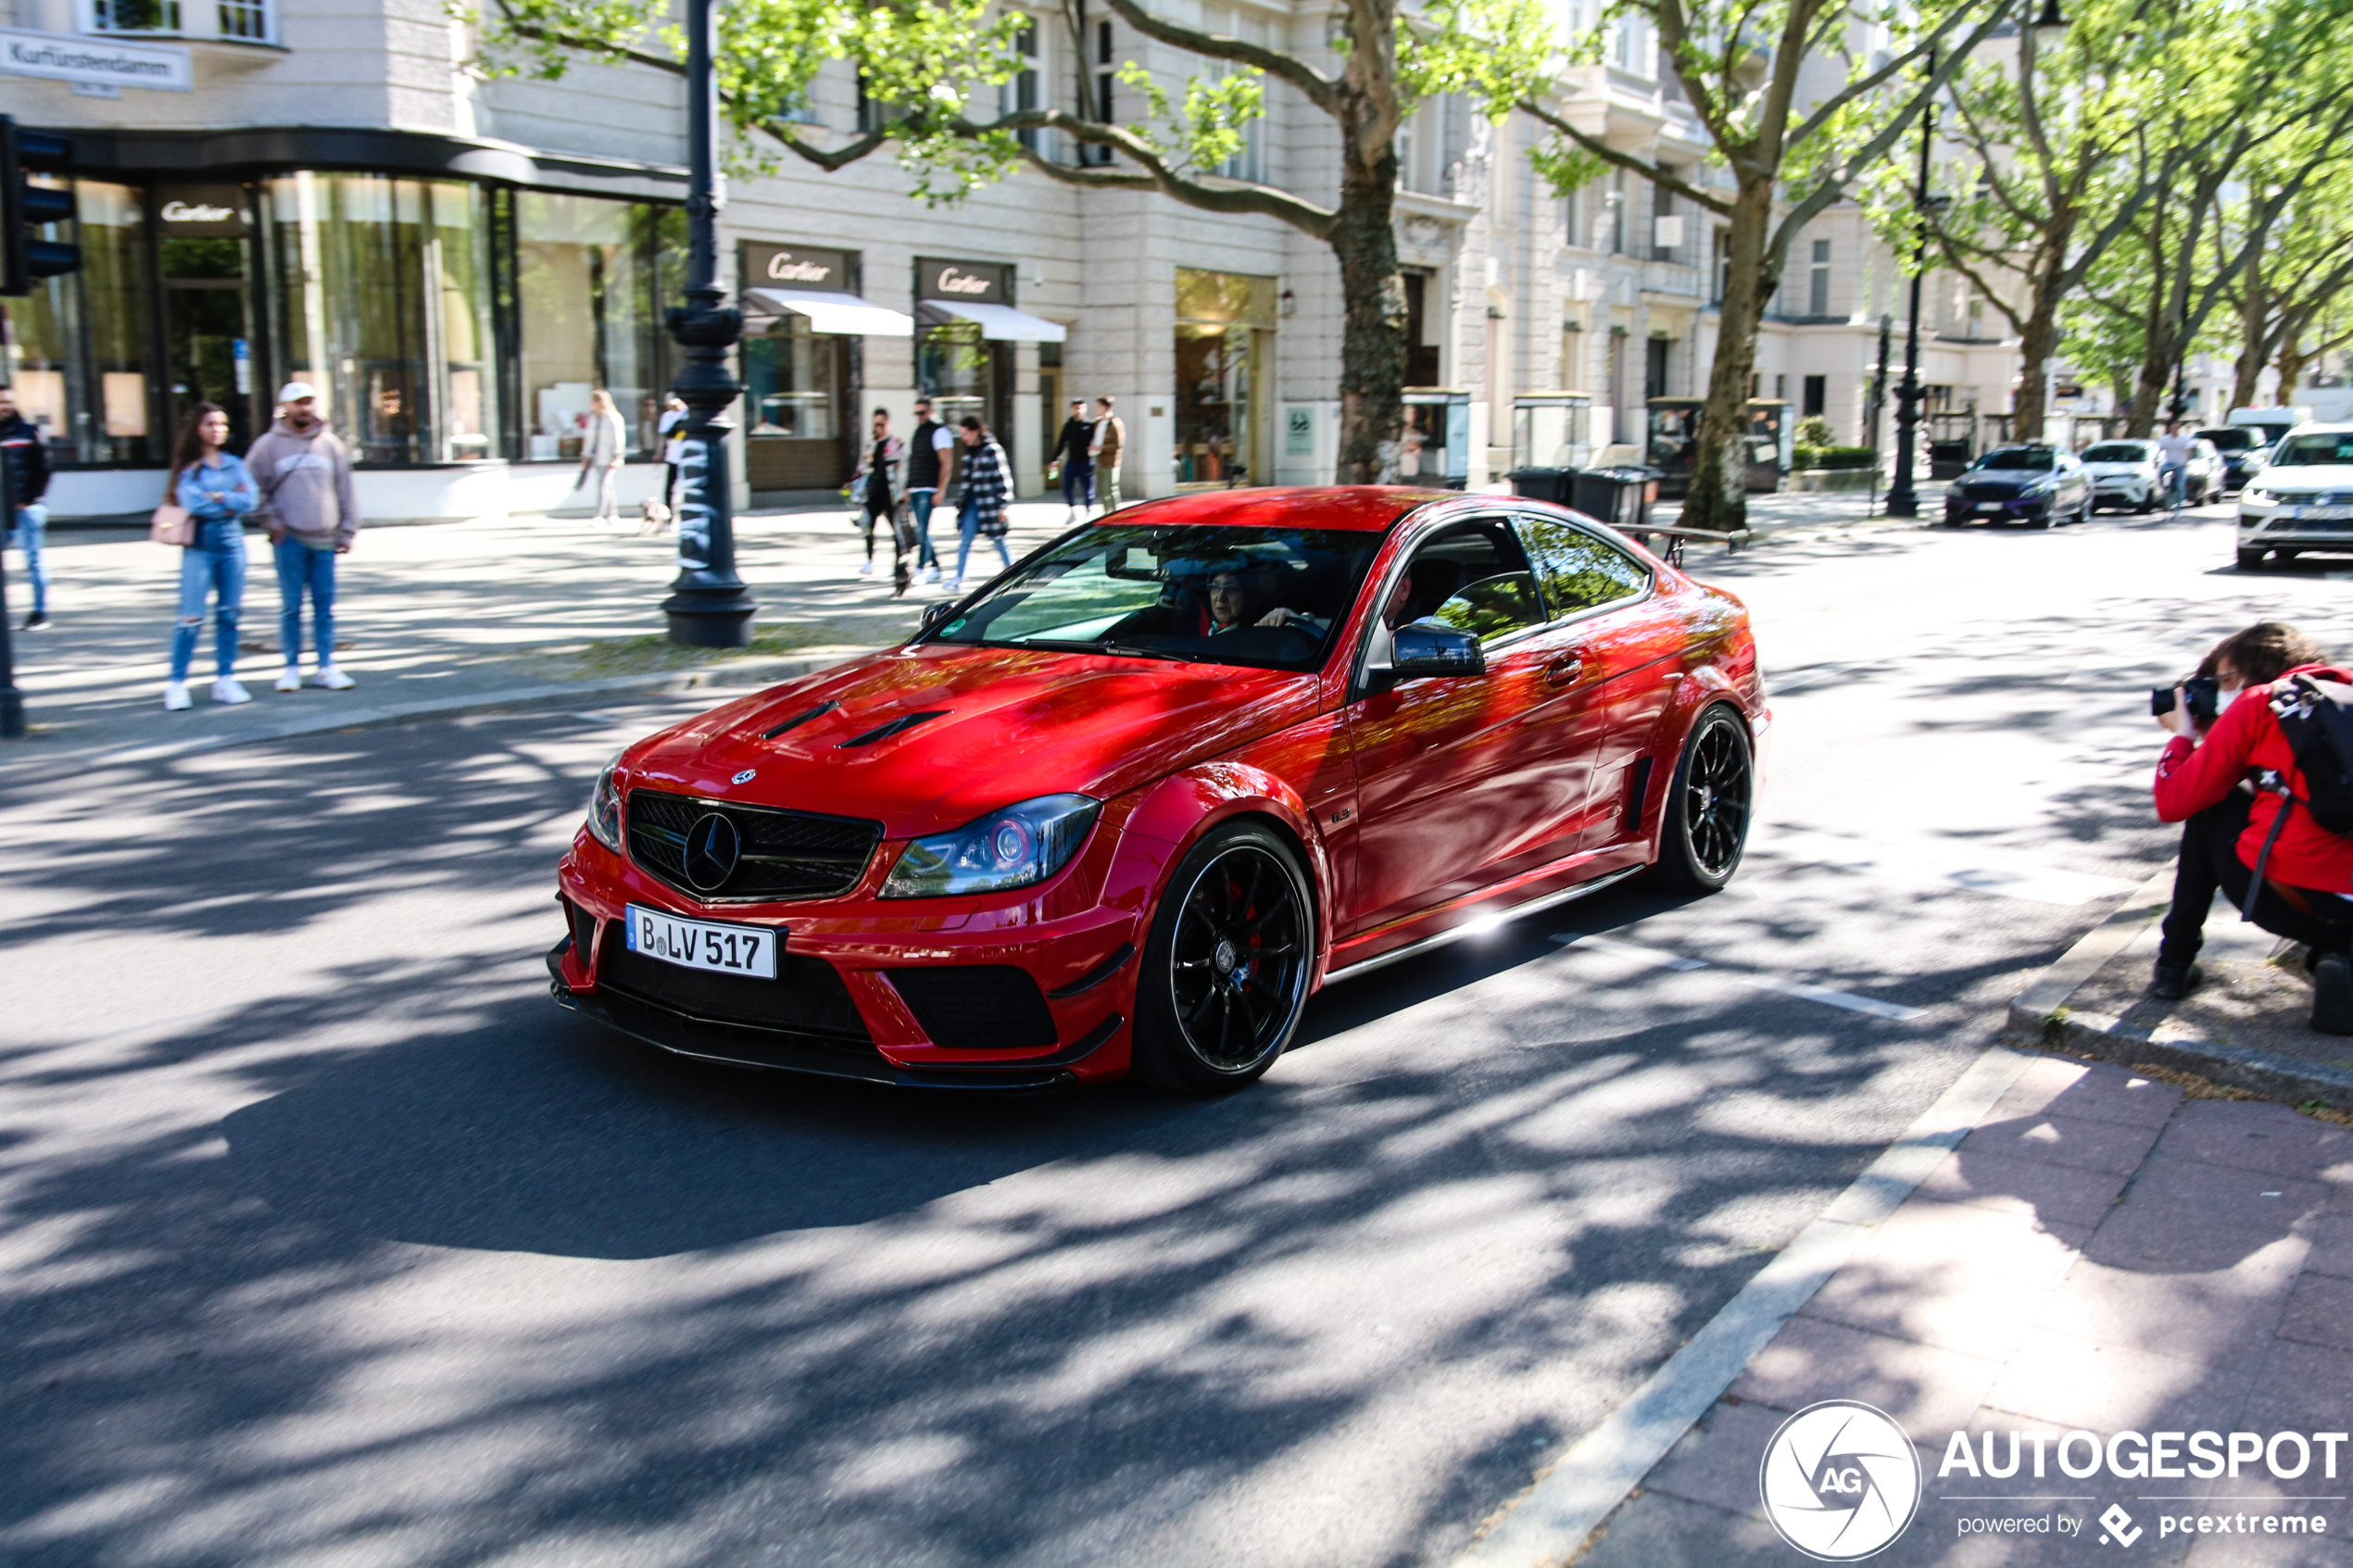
x: 2033, y: 459
x: 2116, y: 452
x: 2233, y: 438
x: 2303, y: 451
x: 1270, y: 599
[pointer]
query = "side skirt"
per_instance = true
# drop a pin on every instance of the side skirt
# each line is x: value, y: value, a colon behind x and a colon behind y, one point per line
x: 1484, y: 922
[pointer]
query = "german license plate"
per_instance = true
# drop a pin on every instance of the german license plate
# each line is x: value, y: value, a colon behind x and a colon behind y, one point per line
x: 699, y: 943
x: 1989, y: 505
x: 2319, y: 514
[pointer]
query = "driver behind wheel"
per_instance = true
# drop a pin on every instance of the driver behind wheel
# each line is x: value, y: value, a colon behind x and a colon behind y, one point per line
x: 1235, y: 595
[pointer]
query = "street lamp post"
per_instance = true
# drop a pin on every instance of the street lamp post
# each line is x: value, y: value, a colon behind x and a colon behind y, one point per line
x: 708, y: 605
x: 1903, y: 499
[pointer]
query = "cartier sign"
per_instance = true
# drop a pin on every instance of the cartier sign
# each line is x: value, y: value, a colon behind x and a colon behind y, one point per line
x: 796, y: 266
x: 201, y: 210
x: 966, y: 283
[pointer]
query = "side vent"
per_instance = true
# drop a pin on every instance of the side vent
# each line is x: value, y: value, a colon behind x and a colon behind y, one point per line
x: 1637, y: 790
x: 899, y: 725
x: 800, y: 719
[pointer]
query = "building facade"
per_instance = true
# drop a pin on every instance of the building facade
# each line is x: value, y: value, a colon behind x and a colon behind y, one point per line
x: 326, y: 191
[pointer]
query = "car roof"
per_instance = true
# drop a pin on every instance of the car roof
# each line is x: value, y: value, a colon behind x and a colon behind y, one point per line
x: 1359, y: 509
x: 2323, y: 427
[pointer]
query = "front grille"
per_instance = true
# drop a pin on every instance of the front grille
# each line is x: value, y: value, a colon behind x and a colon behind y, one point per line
x: 785, y: 854
x: 976, y: 1007
x: 1990, y: 492
x: 806, y: 997
x: 2309, y: 525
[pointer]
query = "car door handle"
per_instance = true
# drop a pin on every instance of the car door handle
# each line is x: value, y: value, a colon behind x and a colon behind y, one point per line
x: 1564, y: 671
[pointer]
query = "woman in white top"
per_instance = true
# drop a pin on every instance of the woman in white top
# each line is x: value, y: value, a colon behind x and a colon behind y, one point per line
x: 602, y: 447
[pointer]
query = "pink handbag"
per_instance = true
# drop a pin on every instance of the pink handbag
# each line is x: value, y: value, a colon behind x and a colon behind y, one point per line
x: 172, y: 525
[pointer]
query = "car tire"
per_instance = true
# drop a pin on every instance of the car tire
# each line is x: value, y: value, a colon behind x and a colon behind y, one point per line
x: 2251, y: 560
x: 1237, y: 913
x: 1704, y: 824
x: 2147, y: 504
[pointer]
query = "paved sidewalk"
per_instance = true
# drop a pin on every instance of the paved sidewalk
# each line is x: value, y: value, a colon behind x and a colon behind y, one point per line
x: 2099, y: 1254
x: 431, y: 615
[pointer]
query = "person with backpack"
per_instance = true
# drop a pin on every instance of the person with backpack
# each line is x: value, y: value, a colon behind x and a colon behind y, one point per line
x: 312, y: 515
x: 217, y: 492
x: 1075, y: 462
x: 931, y: 469
x: 2290, y: 868
x: 26, y: 457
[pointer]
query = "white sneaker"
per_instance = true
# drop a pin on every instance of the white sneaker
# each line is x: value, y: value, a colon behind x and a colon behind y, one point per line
x: 230, y: 690
x: 1070, y: 516
x: 931, y: 574
x: 175, y: 695
x: 290, y: 679
x: 334, y: 680
x: 866, y: 569
x: 957, y: 587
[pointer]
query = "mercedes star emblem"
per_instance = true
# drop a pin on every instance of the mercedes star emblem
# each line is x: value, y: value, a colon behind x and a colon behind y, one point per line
x: 712, y: 848
x: 746, y: 776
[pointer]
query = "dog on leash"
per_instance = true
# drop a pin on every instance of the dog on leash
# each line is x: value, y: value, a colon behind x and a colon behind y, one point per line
x: 653, y: 517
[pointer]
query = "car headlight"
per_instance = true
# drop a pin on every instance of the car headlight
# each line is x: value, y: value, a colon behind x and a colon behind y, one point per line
x: 2256, y: 495
x: 604, y: 808
x: 1011, y: 848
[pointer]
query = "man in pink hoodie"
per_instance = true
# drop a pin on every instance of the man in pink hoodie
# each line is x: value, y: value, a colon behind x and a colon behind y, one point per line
x: 309, y: 508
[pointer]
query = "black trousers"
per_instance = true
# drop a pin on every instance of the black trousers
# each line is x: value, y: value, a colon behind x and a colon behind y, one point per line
x: 2209, y: 861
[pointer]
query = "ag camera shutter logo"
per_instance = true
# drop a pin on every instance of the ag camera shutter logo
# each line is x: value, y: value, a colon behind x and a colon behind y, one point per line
x: 1840, y: 1481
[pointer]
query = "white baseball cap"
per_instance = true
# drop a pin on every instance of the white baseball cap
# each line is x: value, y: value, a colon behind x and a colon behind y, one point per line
x: 295, y: 390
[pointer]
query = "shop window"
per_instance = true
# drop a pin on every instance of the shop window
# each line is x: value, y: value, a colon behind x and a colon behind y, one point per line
x: 381, y: 298
x: 792, y: 386
x: 134, y: 16
x: 591, y: 278
x: 958, y: 369
x: 96, y: 406
x: 1224, y: 336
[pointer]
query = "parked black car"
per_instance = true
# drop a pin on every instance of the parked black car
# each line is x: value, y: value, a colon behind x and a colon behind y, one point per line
x: 2243, y: 448
x: 2030, y: 483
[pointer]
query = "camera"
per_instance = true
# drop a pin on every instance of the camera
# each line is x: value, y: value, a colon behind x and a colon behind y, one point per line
x: 2204, y: 694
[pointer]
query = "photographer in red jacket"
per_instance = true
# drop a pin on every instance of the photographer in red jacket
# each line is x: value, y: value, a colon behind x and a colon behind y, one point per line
x: 2307, y: 881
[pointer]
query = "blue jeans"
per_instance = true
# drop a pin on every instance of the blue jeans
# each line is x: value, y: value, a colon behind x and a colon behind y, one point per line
x: 300, y: 567
x: 1078, y: 485
x: 2170, y: 482
x: 31, y: 522
x: 214, y: 567
x: 967, y: 530
x: 921, y: 500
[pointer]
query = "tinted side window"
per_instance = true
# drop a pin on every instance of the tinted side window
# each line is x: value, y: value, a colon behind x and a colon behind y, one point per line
x: 1473, y: 578
x: 1577, y: 571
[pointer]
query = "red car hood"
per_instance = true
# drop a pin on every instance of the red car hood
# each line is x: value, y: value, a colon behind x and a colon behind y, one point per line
x: 1013, y: 724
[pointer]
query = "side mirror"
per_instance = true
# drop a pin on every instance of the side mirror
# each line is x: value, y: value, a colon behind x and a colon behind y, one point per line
x: 934, y: 613
x: 1423, y: 648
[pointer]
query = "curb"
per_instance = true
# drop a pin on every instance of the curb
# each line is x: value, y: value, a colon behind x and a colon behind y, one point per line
x: 1549, y: 1523
x: 524, y: 699
x: 2041, y: 1018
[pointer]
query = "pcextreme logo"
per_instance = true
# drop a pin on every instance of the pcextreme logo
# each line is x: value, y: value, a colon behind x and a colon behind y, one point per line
x: 1840, y: 1480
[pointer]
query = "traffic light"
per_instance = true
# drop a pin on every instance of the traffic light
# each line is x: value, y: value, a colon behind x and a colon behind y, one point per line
x: 25, y: 207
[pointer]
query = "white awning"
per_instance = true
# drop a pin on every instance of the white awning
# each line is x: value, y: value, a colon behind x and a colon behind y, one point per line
x: 829, y: 311
x: 1001, y: 321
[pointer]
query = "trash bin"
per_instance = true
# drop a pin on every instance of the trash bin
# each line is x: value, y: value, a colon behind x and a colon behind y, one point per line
x: 1620, y: 496
x: 1544, y: 484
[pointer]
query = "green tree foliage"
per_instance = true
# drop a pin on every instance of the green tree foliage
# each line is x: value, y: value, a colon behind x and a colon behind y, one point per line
x: 933, y: 66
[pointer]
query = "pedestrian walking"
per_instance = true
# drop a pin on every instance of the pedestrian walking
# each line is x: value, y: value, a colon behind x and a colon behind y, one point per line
x: 218, y: 491
x: 671, y: 428
x: 28, y: 472
x: 987, y: 487
x: 603, y: 445
x: 312, y: 515
x: 931, y: 467
x: 1108, y: 444
x: 1075, y: 456
x: 880, y: 486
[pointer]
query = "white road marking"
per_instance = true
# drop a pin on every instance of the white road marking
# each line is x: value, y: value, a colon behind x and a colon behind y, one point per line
x: 1822, y: 994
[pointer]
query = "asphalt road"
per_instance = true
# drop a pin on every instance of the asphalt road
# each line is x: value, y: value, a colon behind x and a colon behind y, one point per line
x: 329, y: 1239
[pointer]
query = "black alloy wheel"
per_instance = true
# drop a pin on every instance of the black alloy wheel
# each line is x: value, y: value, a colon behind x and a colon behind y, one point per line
x: 1704, y: 828
x: 1225, y: 973
x: 2251, y: 560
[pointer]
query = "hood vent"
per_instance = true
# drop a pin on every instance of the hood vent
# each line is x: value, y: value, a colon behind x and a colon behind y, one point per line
x: 800, y: 719
x: 899, y: 725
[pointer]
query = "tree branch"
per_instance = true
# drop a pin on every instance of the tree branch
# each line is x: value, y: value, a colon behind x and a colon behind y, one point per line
x: 1321, y: 90
x: 1153, y: 170
x: 1609, y: 155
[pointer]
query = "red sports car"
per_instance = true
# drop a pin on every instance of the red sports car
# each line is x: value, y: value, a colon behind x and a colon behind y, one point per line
x: 1128, y: 806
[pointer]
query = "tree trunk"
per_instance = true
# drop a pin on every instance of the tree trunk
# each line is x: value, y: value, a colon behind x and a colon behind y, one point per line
x: 2253, y: 311
x: 1372, y: 347
x: 2037, y: 341
x: 1719, y: 498
x: 2291, y: 361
